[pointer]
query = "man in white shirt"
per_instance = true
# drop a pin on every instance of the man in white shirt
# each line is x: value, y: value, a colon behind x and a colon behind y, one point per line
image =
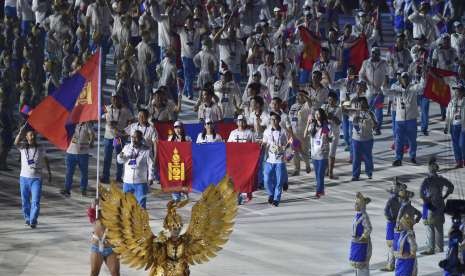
x: 98, y: 20
x: 242, y: 134
x: 207, y: 63
x: 445, y: 57
x: 207, y: 109
x: 167, y: 73
x: 190, y: 42
x: 117, y: 118
x: 299, y: 113
x: 232, y: 50
x: 275, y: 141
x: 278, y: 85
x: 78, y: 154
x: 33, y: 159
x: 228, y: 93
x: 375, y: 72
x: 405, y: 96
x: 149, y: 133
x: 423, y: 23
x: 458, y: 39
x: 138, y: 167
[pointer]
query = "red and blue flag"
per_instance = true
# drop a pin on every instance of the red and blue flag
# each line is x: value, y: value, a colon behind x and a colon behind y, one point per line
x: 186, y: 166
x: 355, y: 55
x: 75, y: 101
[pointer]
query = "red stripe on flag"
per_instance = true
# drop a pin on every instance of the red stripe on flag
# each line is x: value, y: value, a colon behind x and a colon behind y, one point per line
x: 164, y: 129
x: 49, y: 118
x: 242, y: 165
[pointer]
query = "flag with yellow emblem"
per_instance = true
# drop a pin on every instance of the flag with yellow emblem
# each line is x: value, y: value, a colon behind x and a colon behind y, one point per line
x: 437, y: 89
x: 312, y: 48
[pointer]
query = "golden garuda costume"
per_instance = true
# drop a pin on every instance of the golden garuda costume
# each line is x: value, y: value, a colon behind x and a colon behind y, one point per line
x: 169, y: 253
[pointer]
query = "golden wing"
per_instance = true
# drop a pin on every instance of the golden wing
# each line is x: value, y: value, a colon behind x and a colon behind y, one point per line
x: 128, y: 229
x: 211, y: 223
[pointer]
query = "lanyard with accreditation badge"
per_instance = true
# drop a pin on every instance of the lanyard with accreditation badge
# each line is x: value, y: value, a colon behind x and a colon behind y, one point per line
x: 133, y: 159
x: 31, y: 161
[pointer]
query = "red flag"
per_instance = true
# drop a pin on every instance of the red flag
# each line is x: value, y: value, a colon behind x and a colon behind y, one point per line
x: 242, y: 165
x: 436, y: 88
x: 55, y: 116
x: 174, y: 161
x: 312, y: 48
x: 358, y: 53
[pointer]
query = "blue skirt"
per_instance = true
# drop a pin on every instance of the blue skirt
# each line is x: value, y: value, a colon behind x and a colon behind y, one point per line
x: 395, y: 241
x: 424, y: 213
x: 390, y: 230
x: 404, y: 267
x: 358, y: 252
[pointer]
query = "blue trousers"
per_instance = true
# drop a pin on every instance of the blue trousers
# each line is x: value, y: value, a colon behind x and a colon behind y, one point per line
x: 359, y: 149
x: 10, y: 11
x: 346, y: 129
x: 458, y: 142
x: 378, y: 112
x: 406, y: 130
x: 320, y: 169
x: 189, y: 75
x: 424, y: 117
x: 31, y: 190
x: 139, y: 190
x: 108, y: 153
x: 25, y: 27
x: 274, y: 176
x: 237, y: 77
x: 82, y: 160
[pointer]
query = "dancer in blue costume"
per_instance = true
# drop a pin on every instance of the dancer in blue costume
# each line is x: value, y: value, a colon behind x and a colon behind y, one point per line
x: 406, y: 263
x: 360, y: 247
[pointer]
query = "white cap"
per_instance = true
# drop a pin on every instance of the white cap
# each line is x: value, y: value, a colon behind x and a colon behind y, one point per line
x: 240, y: 117
x: 276, y: 9
x: 177, y: 124
x: 208, y: 120
x: 404, y: 75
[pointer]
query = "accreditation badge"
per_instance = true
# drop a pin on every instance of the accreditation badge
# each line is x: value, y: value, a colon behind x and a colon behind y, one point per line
x: 132, y: 163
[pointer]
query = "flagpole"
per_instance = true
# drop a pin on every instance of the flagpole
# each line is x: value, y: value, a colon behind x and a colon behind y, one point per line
x: 99, y: 108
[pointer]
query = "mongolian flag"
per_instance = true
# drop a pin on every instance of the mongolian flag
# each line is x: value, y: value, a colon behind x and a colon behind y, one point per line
x: 188, y: 166
x: 355, y: 55
x: 312, y: 48
x: 436, y: 88
x: 75, y: 101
